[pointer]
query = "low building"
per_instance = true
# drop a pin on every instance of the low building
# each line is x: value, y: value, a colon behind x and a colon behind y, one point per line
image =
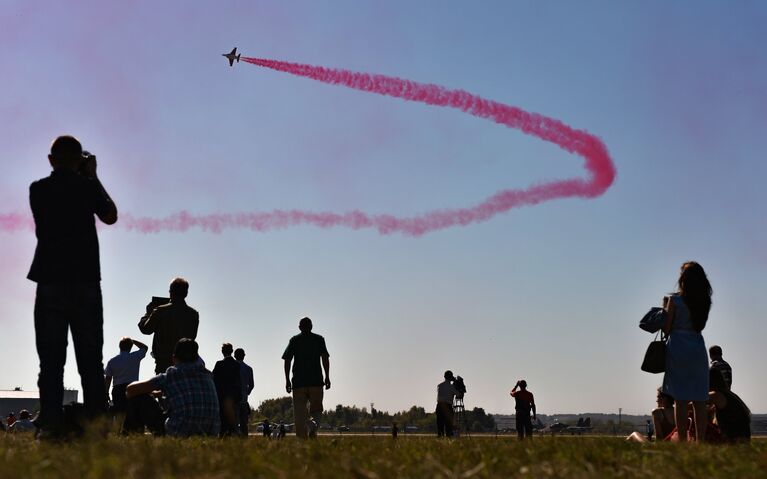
x: 16, y: 400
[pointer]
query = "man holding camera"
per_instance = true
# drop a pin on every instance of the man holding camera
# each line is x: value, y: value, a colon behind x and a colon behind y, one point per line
x: 445, y: 394
x: 67, y: 271
x: 524, y: 403
x: 169, y: 320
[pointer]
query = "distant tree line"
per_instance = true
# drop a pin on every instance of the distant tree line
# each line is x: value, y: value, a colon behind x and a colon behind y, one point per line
x: 362, y: 419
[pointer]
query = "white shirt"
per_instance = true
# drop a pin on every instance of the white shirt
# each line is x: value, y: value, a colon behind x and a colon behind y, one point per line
x: 445, y: 392
x: 124, y: 367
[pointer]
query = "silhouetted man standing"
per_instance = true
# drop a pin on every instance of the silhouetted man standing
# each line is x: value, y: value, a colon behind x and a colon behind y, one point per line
x: 67, y: 271
x: 246, y: 382
x: 169, y: 323
x: 524, y: 403
x: 445, y: 395
x: 308, y: 349
x: 226, y: 375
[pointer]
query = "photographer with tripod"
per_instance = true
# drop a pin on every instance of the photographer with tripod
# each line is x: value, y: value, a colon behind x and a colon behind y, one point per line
x: 445, y: 394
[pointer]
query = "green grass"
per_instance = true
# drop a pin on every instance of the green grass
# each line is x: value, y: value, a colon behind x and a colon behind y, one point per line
x: 375, y: 457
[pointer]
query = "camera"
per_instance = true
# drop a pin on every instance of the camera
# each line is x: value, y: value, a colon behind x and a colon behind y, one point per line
x: 87, y: 159
x: 460, y: 387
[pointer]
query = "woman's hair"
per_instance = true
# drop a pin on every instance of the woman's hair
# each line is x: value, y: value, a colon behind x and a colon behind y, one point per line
x: 696, y: 293
x: 668, y: 398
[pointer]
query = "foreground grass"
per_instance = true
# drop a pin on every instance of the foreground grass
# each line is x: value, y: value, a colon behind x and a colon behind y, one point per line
x: 375, y: 457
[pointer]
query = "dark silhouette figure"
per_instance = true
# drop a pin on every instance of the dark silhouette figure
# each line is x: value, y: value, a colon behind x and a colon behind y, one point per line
x: 394, y: 430
x: 732, y: 414
x: 67, y: 271
x: 226, y: 375
x: 308, y: 350
x: 123, y: 369
x: 715, y: 353
x: 686, y: 376
x: 445, y: 394
x: 189, y: 392
x: 246, y: 381
x: 524, y: 404
x: 266, y: 428
x: 169, y: 323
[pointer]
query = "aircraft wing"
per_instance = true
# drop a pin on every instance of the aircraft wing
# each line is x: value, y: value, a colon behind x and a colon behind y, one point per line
x: 231, y: 61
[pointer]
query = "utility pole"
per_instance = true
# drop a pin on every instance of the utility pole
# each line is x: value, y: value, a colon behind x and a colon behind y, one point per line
x: 620, y: 417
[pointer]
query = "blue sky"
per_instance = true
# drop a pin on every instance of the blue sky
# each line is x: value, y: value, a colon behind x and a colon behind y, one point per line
x: 551, y: 293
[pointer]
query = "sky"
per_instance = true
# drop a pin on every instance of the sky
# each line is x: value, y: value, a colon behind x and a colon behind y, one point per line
x: 551, y: 293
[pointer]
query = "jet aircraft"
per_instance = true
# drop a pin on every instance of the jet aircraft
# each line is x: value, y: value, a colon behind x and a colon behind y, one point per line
x: 232, y: 56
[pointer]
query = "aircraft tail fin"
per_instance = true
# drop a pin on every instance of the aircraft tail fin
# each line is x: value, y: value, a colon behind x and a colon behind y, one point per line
x: 238, y: 57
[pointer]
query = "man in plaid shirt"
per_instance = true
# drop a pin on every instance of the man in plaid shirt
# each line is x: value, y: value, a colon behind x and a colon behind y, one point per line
x: 189, y: 391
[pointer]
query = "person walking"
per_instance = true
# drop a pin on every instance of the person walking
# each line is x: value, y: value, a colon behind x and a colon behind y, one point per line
x: 67, y: 271
x: 246, y: 382
x: 122, y: 370
x: 687, y: 372
x: 169, y: 323
x: 524, y: 403
x: 308, y: 350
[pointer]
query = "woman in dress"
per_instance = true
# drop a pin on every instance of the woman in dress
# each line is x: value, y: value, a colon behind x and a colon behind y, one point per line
x: 686, y: 377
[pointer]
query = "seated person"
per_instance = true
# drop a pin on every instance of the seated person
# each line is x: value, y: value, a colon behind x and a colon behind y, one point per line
x: 663, y: 416
x: 662, y: 419
x: 189, y: 391
x: 732, y: 415
x: 24, y: 423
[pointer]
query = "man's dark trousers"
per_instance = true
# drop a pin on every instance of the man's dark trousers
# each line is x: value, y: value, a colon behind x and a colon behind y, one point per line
x: 119, y: 401
x: 244, y: 416
x: 444, y: 419
x: 524, y: 425
x: 59, y: 307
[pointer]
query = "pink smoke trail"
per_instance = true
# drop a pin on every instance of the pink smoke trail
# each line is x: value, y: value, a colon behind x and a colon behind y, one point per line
x: 597, y: 162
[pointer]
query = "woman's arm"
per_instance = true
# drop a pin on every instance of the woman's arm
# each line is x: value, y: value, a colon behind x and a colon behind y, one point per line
x: 670, y: 311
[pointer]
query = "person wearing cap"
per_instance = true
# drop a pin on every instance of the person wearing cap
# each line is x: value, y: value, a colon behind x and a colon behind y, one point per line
x: 190, y: 393
x: 308, y: 350
x: 445, y: 394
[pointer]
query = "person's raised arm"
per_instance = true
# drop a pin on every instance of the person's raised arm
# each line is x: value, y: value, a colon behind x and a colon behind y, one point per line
x: 139, y: 344
x: 148, y: 322
x: 326, y: 367
x: 137, y: 388
x: 288, y: 386
x: 670, y: 311
x: 107, y: 210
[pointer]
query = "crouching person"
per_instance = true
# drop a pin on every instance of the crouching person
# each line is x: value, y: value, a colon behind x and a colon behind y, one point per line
x: 189, y: 395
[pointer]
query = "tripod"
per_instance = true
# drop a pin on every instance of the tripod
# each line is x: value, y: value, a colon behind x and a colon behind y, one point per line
x: 459, y: 417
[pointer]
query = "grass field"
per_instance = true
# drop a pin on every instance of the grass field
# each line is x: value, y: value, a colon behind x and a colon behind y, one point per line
x: 375, y: 457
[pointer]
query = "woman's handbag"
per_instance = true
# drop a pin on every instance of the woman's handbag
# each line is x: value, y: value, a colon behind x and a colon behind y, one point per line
x: 655, y: 356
